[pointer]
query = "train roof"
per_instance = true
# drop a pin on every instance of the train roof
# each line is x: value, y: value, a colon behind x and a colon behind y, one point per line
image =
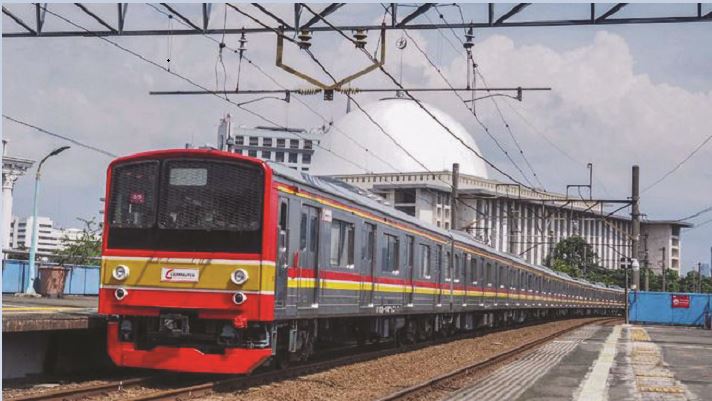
x: 371, y: 201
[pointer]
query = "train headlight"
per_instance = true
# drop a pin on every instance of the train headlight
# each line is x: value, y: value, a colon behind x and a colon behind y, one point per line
x: 239, y: 298
x: 239, y: 276
x: 120, y: 272
x: 120, y: 294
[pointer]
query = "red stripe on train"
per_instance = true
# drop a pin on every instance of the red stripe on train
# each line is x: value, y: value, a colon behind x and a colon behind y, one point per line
x: 210, y: 305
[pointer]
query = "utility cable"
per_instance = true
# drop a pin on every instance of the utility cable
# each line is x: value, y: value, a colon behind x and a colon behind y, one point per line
x: 63, y: 137
x: 153, y: 63
x: 677, y: 166
x: 419, y: 103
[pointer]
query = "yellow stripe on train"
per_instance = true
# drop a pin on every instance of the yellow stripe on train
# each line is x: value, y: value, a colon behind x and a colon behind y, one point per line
x: 209, y: 274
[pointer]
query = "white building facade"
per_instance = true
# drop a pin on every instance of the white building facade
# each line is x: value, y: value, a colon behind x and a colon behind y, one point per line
x: 49, y: 238
x: 291, y: 147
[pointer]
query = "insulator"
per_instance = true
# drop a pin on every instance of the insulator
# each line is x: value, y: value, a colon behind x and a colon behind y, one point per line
x: 469, y: 37
x: 243, y: 43
x: 360, y: 38
x: 308, y: 91
x: 304, y: 38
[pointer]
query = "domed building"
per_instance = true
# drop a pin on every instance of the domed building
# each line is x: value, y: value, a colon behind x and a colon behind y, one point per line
x: 356, y: 145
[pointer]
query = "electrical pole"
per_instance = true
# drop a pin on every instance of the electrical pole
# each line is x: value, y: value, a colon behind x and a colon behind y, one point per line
x: 453, y: 197
x: 635, y: 215
x: 664, y: 278
x: 699, y: 277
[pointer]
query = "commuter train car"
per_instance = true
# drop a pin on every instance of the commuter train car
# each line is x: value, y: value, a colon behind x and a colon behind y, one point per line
x: 215, y: 262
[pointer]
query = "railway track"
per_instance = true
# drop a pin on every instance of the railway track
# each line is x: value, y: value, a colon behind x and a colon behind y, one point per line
x: 413, y: 392
x: 202, y: 385
x: 73, y: 393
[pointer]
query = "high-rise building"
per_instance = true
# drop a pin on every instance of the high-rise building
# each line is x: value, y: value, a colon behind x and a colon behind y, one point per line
x: 292, y: 147
x: 49, y: 238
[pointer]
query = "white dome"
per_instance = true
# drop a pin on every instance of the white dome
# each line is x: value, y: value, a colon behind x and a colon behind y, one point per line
x: 410, y: 126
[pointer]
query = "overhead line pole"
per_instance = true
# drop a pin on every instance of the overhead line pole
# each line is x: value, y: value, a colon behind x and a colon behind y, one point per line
x: 635, y: 217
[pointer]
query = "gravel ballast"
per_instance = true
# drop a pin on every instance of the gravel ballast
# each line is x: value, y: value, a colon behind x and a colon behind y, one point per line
x: 379, y: 377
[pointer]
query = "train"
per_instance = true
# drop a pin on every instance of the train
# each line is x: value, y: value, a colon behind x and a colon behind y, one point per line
x: 215, y: 262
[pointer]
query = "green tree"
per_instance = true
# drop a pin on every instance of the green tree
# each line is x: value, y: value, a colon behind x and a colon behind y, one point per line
x: 85, y: 249
x: 573, y: 256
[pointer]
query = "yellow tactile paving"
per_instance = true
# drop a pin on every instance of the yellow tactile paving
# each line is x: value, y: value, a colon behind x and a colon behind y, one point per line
x: 653, y: 381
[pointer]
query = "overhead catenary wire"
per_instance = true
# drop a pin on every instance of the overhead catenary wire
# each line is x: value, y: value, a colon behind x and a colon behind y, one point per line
x: 494, y: 101
x: 60, y: 136
x: 696, y: 214
x: 153, y: 63
x: 479, y: 121
x: 358, y: 105
x: 678, y: 165
x: 425, y: 109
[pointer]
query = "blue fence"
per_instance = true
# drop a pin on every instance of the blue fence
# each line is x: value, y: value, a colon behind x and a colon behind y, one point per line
x: 657, y: 307
x: 80, y: 280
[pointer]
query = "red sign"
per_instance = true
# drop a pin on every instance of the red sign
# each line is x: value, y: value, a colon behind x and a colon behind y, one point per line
x: 680, y: 301
x: 137, y: 198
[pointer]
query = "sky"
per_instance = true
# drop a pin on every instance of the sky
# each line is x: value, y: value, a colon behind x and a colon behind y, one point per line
x: 621, y: 95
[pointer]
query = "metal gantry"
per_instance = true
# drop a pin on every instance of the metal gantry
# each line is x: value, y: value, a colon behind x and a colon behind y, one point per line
x: 495, y: 17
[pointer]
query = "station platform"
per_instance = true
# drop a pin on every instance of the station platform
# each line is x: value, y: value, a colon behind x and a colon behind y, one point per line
x: 52, y: 336
x: 26, y: 313
x: 604, y: 362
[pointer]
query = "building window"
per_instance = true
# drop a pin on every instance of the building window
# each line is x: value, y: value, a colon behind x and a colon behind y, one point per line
x: 254, y: 141
x: 405, y: 196
x: 342, y: 244
x: 306, y: 158
x: 239, y: 140
x: 407, y: 209
x: 307, y: 144
x: 267, y: 142
x: 279, y: 156
x: 252, y: 153
x: 292, y: 157
x: 390, y: 253
x: 266, y: 154
x: 280, y: 143
x: 294, y: 143
x: 424, y: 261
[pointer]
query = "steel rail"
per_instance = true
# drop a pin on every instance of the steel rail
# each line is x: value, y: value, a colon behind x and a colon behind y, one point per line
x: 84, y: 391
x: 499, y: 358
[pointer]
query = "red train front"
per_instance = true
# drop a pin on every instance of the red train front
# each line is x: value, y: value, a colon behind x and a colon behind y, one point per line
x: 188, y: 261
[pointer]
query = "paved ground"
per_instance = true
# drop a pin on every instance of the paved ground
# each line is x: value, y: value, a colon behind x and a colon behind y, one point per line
x: 20, y: 313
x: 599, y: 363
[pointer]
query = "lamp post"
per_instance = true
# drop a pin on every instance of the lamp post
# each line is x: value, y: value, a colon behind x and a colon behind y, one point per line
x: 33, y: 245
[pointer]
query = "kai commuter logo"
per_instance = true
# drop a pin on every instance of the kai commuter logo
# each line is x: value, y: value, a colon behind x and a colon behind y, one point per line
x: 179, y: 275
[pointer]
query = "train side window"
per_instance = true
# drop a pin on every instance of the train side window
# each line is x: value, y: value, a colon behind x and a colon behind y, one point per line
x: 303, y: 231
x: 457, y: 268
x: 282, y: 235
x: 391, y: 252
x: 425, y: 261
x: 314, y: 232
x: 342, y: 244
x: 490, y: 274
x: 439, y: 260
x: 410, y: 253
x: 448, y: 270
x: 473, y: 270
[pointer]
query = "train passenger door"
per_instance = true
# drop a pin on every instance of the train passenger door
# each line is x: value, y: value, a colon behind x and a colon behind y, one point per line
x: 308, y: 256
x: 368, y: 264
x: 410, y: 268
x: 281, y: 262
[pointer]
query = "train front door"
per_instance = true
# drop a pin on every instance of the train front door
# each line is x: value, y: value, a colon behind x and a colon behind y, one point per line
x: 368, y: 265
x: 308, y: 256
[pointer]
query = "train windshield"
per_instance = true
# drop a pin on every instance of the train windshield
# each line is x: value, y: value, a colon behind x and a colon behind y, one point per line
x: 186, y: 205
